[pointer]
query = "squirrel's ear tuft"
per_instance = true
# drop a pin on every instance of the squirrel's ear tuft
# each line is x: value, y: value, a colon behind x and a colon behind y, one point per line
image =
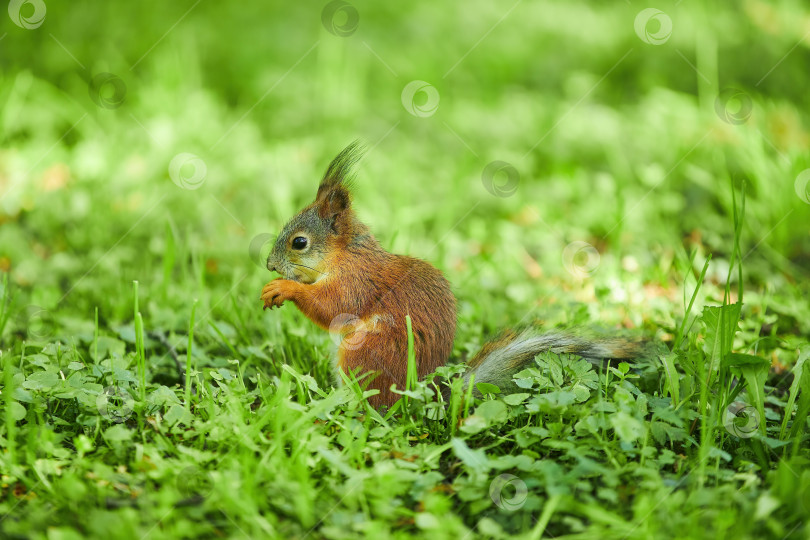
x: 341, y: 171
x: 333, y: 193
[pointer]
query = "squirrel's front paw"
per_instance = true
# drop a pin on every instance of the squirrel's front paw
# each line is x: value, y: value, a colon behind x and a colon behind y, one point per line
x: 277, y: 291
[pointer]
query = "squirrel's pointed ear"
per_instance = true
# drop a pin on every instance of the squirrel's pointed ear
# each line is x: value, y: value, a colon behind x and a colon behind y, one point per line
x: 332, y: 200
x: 333, y: 193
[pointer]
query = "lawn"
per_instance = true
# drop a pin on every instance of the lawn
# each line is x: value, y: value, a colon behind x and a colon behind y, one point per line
x: 619, y: 167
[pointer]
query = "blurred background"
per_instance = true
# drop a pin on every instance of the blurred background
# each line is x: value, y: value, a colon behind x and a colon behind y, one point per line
x: 566, y: 161
x: 546, y: 155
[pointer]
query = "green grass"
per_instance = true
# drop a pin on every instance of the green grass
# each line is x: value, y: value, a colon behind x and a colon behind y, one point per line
x: 653, y: 189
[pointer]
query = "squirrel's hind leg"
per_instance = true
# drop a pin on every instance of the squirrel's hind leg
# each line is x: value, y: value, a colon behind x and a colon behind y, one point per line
x: 379, y: 354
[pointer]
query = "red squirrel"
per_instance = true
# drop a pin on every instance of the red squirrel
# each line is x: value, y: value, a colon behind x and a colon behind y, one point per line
x: 338, y: 275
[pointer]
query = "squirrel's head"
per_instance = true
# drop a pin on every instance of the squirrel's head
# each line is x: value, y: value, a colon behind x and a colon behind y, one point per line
x: 304, y: 248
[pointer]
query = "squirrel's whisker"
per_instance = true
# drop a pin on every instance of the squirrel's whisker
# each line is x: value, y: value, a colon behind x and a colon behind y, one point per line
x: 308, y: 267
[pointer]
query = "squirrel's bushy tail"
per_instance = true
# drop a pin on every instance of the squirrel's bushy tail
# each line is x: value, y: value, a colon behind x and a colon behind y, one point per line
x: 514, y: 351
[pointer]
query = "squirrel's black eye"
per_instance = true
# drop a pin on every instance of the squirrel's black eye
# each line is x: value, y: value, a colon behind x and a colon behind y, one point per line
x: 299, y: 242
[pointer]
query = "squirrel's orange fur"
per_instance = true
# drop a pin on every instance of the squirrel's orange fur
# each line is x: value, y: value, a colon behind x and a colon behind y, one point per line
x: 355, y: 281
